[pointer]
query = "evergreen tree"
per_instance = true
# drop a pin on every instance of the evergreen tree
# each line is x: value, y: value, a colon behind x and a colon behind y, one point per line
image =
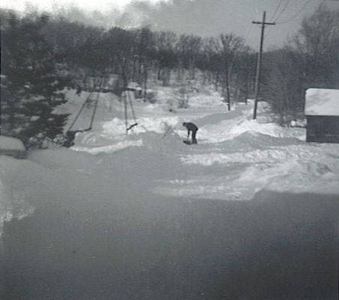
x: 32, y: 87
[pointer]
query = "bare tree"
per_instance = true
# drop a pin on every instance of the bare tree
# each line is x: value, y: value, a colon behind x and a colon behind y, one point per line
x: 318, y: 41
x: 211, y: 58
x: 282, y: 83
x: 311, y: 60
x: 118, y: 45
x: 144, y: 52
x: 165, y: 53
x: 188, y: 48
x: 231, y: 44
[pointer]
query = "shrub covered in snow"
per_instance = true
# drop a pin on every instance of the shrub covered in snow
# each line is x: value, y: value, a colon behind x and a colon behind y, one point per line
x: 12, y: 147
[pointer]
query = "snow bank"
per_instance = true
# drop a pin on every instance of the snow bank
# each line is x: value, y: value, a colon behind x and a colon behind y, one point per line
x: 72, y: 179
x: 294, y: 175
x: 236, y: 127
x: 159, y: 125
x: 162, y: 142
x: 168, y: 142
x: 248, y: 157
x: 109, y: 148
x: 113, y: 136
x: 9, y: 143
x: 14, y: 190
x: 270, y: 129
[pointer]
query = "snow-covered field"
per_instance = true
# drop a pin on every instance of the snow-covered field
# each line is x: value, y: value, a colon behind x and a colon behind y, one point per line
x: 252, y: 154
x: 248, y: 213
x: 235, y: 157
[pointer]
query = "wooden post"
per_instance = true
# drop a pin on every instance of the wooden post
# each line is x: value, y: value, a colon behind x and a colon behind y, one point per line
x: 125, y: 109
x: 257, y: 77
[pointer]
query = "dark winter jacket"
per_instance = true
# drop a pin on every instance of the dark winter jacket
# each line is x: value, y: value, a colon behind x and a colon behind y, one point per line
x: 190, y: 127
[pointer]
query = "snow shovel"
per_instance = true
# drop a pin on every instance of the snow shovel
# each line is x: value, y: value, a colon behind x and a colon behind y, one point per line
x: 187, y: 142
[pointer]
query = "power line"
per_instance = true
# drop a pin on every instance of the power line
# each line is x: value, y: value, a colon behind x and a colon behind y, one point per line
x: 283, y: 10
x: 273, y: 15
x: 277, y: 8
x: 248, y: 31
x: 293, y: 17
x: 296, y: 14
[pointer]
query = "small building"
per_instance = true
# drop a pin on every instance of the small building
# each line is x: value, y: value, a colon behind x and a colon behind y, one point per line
x: 322, y: 113
x: 134, y: 86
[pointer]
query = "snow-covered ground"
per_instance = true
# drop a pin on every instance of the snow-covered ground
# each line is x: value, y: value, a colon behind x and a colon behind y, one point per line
x: 145, y: 216
x: 235, y: 157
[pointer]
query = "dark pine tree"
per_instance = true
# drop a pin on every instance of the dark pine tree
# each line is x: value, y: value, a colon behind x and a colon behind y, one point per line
x: 32, y: 87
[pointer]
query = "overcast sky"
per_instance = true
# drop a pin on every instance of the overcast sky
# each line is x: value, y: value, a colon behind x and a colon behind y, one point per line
x: 206, y: 17
x: 48, y: 4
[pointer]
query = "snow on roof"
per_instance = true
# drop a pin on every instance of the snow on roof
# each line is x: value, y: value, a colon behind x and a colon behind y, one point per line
x: 322, y: 102
x: 9, y: 143
x: 133, y: 85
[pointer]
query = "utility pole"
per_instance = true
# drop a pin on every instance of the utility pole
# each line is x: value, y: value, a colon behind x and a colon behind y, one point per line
x: 257, y: 77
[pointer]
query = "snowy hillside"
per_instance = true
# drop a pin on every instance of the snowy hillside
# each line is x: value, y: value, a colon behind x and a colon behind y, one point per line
x: 235, y: 156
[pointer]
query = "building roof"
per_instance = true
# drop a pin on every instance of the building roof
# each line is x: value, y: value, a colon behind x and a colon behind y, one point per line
x: 322, y: 102
x: 134, y: 86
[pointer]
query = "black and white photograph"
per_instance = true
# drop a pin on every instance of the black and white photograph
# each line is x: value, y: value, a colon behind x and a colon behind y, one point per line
x: 169, y: 150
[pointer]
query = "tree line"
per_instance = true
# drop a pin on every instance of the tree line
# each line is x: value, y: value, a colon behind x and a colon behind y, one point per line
x: 309, y: 60
x: 42, y: 55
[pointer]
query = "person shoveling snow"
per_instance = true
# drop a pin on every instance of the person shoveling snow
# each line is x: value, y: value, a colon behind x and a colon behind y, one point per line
x: 191, y: 128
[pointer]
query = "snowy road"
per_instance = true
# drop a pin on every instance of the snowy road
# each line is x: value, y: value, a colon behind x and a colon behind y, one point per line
x: 279, y: 246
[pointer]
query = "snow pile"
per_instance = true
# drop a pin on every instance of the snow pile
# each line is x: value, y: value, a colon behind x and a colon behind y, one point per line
x: 247, y: 157
x: 248, y: 142
x: 113, y: 136
x: 239, y: 175
x: 109, y: 148
x: 162, y: 142
x: 270, y: 129
x: 5, y: 199
x: 295, y: 175
x: 216, y: 128
x: 159, y: 125
x: 115, y: 127
x: 165, y: 143
x: 235, y: 127
x: 10, y: 143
